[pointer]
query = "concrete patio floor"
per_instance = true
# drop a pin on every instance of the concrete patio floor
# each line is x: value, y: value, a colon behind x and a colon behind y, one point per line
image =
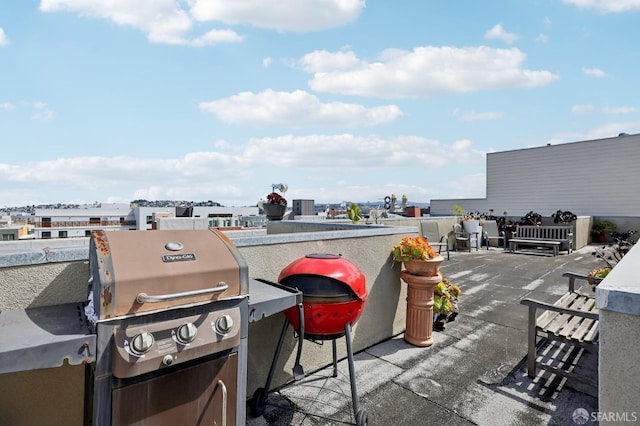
x: 473, y: 374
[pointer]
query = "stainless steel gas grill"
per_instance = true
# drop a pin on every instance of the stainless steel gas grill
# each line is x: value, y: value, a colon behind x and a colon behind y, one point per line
x: 163, y: 334
x: 171, y: 314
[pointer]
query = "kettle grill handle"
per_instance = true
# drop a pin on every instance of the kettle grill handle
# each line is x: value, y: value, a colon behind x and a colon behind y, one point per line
x: 145, y: 298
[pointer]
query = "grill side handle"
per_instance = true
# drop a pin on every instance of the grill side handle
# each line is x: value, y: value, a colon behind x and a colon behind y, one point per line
x: 145, y: 298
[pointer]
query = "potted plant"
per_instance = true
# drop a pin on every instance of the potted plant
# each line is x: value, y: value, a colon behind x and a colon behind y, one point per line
x: 600, y: 273
x: 600, y: 229
x: 276, y: 205
x: 445, y: 303
x: 417, y: 255
x: 421, y: 274
x: 458, y: 211
x: 354, y: 214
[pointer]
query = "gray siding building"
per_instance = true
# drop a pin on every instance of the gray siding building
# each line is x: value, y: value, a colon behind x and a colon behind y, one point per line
x: 589, y: 178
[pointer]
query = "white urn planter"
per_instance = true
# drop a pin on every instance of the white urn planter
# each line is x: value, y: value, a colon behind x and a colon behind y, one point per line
x: 473, y: 227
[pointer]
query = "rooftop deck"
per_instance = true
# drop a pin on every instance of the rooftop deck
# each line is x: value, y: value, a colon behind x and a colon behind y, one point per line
x: 474, y: 373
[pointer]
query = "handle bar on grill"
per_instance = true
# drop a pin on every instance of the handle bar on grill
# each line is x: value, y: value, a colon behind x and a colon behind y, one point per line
x: 145, y: 298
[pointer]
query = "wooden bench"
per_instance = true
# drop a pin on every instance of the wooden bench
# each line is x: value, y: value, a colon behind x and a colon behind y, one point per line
x: 556, y: 238
x: 572, y: 319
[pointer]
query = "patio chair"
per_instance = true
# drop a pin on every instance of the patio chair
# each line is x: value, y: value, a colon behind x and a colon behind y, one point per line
x: 429, y: 229
x: 491, y: 233
x: 462, y: 238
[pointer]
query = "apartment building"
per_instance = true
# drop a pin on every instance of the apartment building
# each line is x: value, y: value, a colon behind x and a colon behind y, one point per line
x: 47, y: 223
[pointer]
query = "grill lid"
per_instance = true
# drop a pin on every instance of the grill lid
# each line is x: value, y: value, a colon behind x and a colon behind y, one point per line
x: 325, y: 274
x: 333, y: 292
x: 140, y: 271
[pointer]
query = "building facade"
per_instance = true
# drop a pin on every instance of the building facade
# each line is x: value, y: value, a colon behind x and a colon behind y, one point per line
x: 80, y: 222
x: 589, y: 178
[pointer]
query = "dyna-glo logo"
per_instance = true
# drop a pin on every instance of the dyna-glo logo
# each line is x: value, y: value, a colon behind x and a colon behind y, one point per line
x: 178, y: 257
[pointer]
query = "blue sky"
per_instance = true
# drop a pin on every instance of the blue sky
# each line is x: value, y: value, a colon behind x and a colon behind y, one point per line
x: 340, y: 100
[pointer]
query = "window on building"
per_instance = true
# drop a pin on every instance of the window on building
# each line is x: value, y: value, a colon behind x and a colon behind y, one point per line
x: 149, y: 219
x: 46, y: 222
x: 8, y: 237
x: 62, y: 234
x: 122, y: 221
x: 46, y: 235
x: 94, y: 221
x: 87, y: 233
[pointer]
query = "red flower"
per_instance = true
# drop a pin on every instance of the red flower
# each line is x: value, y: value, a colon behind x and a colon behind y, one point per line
x: 275, y: 198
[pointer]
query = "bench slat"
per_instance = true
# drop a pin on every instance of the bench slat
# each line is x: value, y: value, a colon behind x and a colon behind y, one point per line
x: 572, y: 327
x: 554, y: 321
x: 548, y: 316
x: 587, y: 332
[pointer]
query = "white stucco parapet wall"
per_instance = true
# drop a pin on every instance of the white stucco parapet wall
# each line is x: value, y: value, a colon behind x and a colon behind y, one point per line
x: 37, y: 252
x: 618, y: 299
x: 620, y: 290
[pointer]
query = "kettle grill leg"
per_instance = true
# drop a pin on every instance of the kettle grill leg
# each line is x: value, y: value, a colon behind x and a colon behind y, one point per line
x: 352, y: 376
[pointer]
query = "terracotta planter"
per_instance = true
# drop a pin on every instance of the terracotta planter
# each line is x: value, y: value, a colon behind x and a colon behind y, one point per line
x: 274, y: 211
x: 427, y: 268
x: 421, y: 277
x: 419, y: 322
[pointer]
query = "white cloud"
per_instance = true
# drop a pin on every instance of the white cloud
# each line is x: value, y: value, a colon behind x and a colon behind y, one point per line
x: 44, y: 115
x: 321, y: 61
x: 619, y: 110
x: 498, y: 32
x: 605, y: 130
x: 594, y: 72
x: 422, y: 72
x: 213, y: 37
x: 7, y: 106
x: 542, y: 38
x: 295, y: 110
x: 323, y: 167
x: 581, y: 109
x: 172, y: 21
x: 163, y: 21
x: 266, y: 62
x: 283, y: 15
x: 607, y: 6
x: 359, y: 152
x: 474, y: 116
x: 3, y: 38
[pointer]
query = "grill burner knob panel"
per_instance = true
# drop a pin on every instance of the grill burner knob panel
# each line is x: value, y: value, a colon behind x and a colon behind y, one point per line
x: 161, y: 338
x: 223, y: 324
x: 142, y: 343
x: 186, y: 333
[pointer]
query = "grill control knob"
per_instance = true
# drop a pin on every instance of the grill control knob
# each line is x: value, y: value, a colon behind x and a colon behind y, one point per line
x: 223, y: 324
x: 141, y: 343
x: 186, y: 333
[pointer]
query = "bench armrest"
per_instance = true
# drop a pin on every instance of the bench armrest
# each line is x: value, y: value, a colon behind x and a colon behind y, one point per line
x: 536, y: 304
x: 574, y: 276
